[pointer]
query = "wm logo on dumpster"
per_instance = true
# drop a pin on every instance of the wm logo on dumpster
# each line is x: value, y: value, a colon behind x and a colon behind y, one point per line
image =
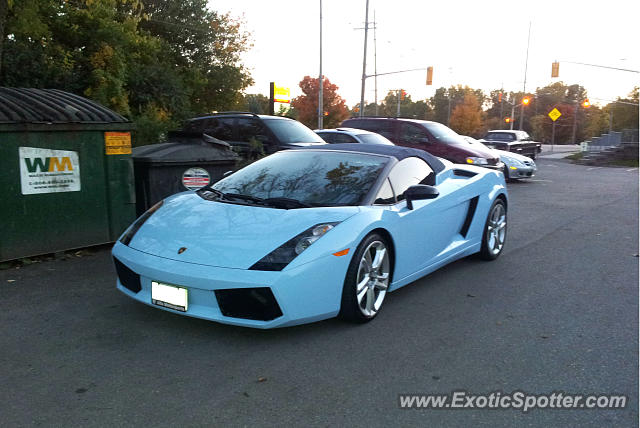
x: 51, y: 164
x: 48, y: 170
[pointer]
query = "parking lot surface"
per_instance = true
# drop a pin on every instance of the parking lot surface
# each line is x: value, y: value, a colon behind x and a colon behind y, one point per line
x: 558, y: 311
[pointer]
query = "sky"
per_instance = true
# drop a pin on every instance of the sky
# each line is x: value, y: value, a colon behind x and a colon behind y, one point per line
x: 482, y: 44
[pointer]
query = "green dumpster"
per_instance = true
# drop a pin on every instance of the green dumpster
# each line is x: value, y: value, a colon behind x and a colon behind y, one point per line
x: 65, y: 172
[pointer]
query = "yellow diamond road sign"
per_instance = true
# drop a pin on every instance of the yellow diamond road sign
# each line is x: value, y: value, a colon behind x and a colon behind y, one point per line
x: 554, y: 114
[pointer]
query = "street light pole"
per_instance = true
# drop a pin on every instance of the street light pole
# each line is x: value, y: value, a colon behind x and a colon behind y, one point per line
x: 524, y: 86
x: 364, y: 58
x: 320, y: 80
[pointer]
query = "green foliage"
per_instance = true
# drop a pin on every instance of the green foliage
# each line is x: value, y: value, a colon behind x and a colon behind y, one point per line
x: 154, y: 61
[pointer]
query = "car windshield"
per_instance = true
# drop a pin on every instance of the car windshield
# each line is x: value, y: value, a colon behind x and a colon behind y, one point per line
x: 316, y: 178
x: 290, y: 131
x: 500, y: 136
x: 374, y: 139
x: 441, y: 132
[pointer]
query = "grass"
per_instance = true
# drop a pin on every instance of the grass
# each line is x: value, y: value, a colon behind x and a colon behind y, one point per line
x: 575, y: 156
x: 631, y: 163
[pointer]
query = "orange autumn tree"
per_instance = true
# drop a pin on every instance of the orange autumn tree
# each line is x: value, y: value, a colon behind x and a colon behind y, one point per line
x: 306, y: 105
x: 466, y: 118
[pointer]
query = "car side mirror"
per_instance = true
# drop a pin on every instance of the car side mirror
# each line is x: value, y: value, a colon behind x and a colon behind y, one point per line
x: 420, y: 192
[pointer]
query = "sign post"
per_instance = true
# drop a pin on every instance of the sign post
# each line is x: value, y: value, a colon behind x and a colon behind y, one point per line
x: 554, y: 115
x: 278, y: 94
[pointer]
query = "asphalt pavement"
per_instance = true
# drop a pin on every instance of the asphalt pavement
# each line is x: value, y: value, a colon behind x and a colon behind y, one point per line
x: 558, y: 311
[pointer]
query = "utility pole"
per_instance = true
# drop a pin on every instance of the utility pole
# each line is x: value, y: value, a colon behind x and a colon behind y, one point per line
x: 575, y: 123
x: 364, y: 58
x: 399, y: 94
x: 524, y: 87
x: 449, y: 96
x: 375, y: 59
x: 320, y: 80
x: 501, y: 101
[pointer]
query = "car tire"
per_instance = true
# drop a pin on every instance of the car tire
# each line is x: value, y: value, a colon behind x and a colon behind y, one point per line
x: 495, y: 231
x: 367, y: 280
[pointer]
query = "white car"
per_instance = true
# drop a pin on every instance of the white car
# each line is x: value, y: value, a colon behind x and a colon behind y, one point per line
x: 352, y: 135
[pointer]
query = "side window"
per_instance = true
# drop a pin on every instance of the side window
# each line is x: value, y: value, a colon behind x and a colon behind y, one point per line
x: 344, y: 138
x: 329, y: 137
x: 251, y: 129
x: 220, y: 128
x: 409, y: 172
x: 410, y: 133
x: 382, y: 127
x: 385, y: 195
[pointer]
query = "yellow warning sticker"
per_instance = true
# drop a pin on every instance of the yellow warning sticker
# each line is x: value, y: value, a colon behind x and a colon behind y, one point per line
x: 117, y: 143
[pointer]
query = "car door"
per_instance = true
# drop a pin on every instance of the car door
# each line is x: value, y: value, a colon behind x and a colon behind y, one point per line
x: 423, y: 235
x: 417, y: 137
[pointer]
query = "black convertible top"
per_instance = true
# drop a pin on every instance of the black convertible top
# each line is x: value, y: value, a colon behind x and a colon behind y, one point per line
x: 397, y: 152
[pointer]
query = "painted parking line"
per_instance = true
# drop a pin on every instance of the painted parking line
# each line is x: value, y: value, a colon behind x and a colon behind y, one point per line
x: 595, y: 167
x: 632, y: 169
x: 539, y: 180
x: 549, y: 165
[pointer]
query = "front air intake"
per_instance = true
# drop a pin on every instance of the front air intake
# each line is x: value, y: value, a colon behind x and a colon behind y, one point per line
x: 128, y: 278
x: 249, y: 303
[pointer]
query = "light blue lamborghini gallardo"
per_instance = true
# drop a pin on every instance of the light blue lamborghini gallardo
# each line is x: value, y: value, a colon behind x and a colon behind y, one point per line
x: 309, y: 234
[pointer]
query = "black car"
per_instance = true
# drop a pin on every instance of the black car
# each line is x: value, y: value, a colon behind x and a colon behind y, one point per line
x: 512, y: 141
x: 250, y: 133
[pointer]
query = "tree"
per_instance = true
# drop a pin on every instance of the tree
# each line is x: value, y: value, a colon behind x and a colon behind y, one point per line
x: 444, y: 101
x: 466, y: 117
x: 306, y: 105
x: 156, y: 63
x: 625, y: 116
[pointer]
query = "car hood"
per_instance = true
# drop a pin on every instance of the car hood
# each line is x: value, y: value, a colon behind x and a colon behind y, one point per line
x: 512, y: 155
x: 475, y: 149
x: 225, y: 235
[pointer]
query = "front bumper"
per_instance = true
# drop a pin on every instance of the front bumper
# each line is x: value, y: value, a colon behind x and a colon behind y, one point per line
x: 308, y: 293
x: 516, y: 172
x: 497, y: 167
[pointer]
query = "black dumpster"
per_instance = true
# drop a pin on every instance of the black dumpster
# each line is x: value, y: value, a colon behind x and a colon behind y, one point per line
x: 188, y: 161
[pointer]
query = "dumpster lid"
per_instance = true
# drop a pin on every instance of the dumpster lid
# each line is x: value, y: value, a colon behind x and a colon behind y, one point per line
x: 28, y: 105
x: 185, y: 147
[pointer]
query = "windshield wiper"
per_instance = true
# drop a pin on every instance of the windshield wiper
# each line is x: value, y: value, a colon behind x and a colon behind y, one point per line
x: 285, y: 203
x: 211, y: 194
x: 243, y: 197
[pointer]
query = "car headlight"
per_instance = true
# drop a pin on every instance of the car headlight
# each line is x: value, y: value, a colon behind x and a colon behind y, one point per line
x: 476, y: 161
x: 279, y: 258
x: 513, y: 162
x: 128, y: 235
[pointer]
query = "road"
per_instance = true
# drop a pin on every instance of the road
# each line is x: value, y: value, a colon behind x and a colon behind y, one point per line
x: 558, y: 311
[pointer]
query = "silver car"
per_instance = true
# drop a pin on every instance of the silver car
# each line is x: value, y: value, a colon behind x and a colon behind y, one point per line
x: 352, y: 135
x: 516, y: 166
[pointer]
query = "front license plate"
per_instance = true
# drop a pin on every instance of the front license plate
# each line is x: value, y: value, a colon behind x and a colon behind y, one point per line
x: 169, y: 296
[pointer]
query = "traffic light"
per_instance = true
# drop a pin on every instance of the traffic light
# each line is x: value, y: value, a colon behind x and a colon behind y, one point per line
x: 500, y: 97
x: 357, y: 109
x: 526, y: 101
x: 429, y: 75
x: 586, y: 103
x: 507, y: 119
x: 555, y: 69
x: 326, y: 113
x: 403, y: 94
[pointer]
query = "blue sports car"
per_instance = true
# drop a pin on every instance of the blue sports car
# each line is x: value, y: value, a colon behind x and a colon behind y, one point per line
x: 309, y: 234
